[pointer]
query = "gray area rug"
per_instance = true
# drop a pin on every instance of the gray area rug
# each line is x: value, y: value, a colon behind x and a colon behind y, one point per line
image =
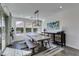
x: 51, y: 51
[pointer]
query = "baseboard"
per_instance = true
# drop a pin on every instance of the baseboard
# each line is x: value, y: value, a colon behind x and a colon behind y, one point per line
x: 72, y: 46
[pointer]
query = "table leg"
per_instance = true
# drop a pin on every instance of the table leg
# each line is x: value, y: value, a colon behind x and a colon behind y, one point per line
x: 53, y: 38
x: 49, y: 43
x: 33, y: 51
x: 42, y: 46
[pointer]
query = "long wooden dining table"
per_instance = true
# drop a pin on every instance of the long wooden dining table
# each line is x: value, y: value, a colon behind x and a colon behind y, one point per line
x: 40, y: 38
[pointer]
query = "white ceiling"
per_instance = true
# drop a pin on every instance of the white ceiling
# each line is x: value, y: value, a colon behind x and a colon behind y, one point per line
x: 45, y: 9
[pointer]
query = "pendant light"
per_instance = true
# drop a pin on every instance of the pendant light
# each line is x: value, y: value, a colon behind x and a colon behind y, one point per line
x: 37, y: 21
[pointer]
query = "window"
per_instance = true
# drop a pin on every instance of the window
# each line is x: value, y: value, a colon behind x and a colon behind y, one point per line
x: 19, y: 23
x: 19, y: 30
x: 34, y: 29
x: 28, y: 29
x: 19, y: 27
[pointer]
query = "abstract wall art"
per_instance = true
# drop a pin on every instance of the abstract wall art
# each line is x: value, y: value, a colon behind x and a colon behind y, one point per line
x: 54, y: 25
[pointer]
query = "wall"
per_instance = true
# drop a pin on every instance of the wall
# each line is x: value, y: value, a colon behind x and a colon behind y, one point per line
x: 70, y: 24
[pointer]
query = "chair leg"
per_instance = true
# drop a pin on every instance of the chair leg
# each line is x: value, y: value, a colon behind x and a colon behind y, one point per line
x: 33, y: 51
x: 45, y: 44
x: 49, y: 43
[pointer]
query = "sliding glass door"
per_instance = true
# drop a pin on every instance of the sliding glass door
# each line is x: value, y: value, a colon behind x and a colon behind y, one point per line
x: 2, y: 31
x: 5, y: 26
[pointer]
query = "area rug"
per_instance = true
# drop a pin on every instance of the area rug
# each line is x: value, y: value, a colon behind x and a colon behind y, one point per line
x: 51, y: 51
x: 15, y: 52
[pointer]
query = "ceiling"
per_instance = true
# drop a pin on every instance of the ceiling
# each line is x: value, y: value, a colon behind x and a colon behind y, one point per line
x: 46, y: 10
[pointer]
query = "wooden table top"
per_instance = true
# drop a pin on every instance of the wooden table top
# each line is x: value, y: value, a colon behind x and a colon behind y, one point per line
x: 40, y: 37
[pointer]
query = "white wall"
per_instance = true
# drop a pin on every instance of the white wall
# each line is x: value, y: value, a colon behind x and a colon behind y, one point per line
x: 70, y: 20
x: 70, y: 24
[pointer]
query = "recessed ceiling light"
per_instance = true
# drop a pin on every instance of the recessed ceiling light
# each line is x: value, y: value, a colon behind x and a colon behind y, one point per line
x: 60, y: 7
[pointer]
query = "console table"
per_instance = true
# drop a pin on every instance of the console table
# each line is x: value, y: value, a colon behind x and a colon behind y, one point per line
x: 61, y: 35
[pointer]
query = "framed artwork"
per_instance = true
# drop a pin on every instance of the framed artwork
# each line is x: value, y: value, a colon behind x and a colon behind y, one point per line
x: 55, y: 25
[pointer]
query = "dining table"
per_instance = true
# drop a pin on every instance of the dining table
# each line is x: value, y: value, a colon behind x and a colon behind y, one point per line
x: 40, y: 38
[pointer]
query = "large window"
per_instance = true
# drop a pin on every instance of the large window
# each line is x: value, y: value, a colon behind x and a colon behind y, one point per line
x: 19, y: 30
x: 28, y: 30
x: 19, y: 23
x: 34, y: 29
x: 19, y: 27
x: 22, y: 28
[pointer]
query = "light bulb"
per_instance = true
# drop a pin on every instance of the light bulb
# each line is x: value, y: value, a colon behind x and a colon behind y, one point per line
x: 60, y: 6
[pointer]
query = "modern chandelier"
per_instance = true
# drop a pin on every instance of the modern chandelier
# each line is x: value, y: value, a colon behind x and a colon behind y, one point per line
x: 37, y: 21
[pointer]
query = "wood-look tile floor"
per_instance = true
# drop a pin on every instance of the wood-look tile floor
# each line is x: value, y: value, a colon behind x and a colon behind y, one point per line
x: 68, y: 51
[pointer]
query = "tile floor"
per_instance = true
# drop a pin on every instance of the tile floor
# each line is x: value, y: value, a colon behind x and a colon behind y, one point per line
x: 68, y: 51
